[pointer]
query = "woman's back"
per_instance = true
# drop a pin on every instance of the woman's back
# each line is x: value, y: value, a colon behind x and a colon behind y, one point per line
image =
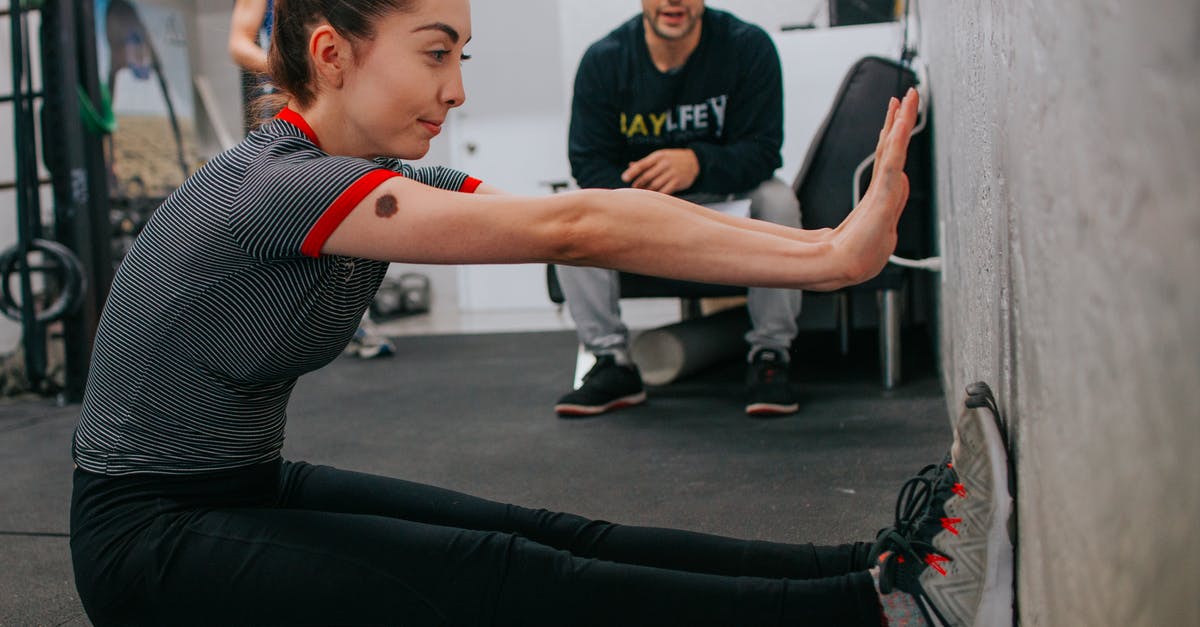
x: 215, y: 312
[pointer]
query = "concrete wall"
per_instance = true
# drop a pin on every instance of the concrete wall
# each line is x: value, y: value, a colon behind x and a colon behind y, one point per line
x: 1068, y: 134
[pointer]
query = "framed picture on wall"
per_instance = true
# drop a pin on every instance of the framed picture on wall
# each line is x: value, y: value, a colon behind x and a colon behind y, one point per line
x: 144, y: 64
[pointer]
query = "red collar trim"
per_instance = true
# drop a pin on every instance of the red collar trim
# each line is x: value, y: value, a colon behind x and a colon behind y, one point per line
x: 293, y: 118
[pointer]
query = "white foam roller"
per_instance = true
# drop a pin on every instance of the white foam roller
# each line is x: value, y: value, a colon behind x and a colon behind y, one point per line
x: 669, y: 353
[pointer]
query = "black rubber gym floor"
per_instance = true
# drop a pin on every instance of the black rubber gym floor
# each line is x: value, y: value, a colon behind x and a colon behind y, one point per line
x: 473, y: 413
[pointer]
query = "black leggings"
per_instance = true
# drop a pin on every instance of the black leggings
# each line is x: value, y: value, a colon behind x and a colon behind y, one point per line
x: 291, y: 543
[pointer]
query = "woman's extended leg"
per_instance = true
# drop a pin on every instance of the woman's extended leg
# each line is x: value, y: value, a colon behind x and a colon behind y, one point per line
x: 322, y: 488
x: 233, y: 548
x: 278, y: 566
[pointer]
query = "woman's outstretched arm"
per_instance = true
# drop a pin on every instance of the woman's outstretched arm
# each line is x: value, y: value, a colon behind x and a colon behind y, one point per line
x: 635, y: 230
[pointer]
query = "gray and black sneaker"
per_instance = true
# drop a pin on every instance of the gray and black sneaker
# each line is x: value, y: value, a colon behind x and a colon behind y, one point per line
x: 950, y: 546
x: 607, y: 386
x: 768, y: 386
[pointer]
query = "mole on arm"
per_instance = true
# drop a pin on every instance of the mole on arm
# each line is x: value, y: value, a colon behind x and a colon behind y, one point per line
x: 386, y: 206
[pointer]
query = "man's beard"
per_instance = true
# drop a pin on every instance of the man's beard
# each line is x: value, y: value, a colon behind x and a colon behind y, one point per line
x: 652, y: 20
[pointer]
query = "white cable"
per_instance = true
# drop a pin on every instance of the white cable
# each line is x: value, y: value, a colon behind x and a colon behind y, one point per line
x: 855, y: 197
x: 932, y: 264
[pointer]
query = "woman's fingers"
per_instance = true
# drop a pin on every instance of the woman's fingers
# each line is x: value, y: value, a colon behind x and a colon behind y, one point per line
x: 873, y: 191
x: 896, y: 145
x: 889, y: 163
x: 893, y: 106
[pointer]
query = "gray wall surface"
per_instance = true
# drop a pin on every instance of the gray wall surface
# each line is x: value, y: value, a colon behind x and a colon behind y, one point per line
x: 1068, y: 135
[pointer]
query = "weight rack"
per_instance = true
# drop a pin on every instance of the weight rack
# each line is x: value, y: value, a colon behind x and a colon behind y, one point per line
x: 75, y: 250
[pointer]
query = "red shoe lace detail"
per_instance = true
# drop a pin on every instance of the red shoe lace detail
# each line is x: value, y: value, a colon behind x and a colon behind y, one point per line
x: 949, y: 524
x: 960, y: 490
x: 935, y: 562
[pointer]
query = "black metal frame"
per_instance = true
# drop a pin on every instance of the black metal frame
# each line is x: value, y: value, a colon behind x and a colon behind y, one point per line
x: 28, y: 199
x: 78, y: 255
x: 77, y: 163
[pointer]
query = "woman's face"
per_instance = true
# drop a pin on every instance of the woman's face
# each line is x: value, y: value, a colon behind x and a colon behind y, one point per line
x: 405, y: 81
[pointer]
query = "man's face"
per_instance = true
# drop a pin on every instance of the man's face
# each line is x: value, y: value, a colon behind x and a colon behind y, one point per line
x: 672, y: 19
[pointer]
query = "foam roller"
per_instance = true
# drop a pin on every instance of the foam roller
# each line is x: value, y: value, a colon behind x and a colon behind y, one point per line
x: 669, y: 353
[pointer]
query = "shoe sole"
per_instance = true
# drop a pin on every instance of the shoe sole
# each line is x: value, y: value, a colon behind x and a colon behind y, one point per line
x: 769, y: 409
x: 983, y: 550
x: 572, y: 411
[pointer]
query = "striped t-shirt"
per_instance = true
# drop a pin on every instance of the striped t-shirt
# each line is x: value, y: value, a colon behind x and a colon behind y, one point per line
x: 224, y: 300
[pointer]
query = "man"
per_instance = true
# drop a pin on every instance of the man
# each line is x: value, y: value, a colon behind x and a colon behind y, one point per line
x: 688, y: 101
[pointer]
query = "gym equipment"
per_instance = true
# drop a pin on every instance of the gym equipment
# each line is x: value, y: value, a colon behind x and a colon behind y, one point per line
x: 404, y: 296
x: 68, y: 276
x: 72, y: 252
x: 669, y: 353
x: 689, y: 293
x: 26, y: 186
x: 73, y: 142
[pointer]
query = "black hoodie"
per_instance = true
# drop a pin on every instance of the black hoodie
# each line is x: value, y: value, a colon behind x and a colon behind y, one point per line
x: 725, y: 103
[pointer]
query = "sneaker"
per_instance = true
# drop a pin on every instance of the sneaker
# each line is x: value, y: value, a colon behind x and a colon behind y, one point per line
x: 950, y: 546
x: 768, y: 389
x: 607, y: 386
x: 368, y: 345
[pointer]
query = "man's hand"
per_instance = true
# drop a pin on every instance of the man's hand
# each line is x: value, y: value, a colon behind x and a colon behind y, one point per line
x: 667, y: 171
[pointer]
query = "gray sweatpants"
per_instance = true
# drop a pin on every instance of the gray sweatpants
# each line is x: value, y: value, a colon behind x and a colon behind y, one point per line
x: 592, y: 294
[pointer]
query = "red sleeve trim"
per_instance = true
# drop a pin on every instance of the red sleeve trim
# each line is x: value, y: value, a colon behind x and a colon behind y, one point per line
x: 341, y: 208
x: 293, y: 118
x: 470, y: 185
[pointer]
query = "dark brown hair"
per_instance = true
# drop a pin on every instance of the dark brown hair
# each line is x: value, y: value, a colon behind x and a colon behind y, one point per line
x: 294, y: 21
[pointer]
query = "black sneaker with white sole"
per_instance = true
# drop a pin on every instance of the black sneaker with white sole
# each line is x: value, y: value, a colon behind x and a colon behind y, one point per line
x: 607, y: 386
x: 950, y: 546
x: 768, y: 386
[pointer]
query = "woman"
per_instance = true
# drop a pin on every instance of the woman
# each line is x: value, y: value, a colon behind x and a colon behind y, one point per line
x: 258, y: 269
x: 249, y: 30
